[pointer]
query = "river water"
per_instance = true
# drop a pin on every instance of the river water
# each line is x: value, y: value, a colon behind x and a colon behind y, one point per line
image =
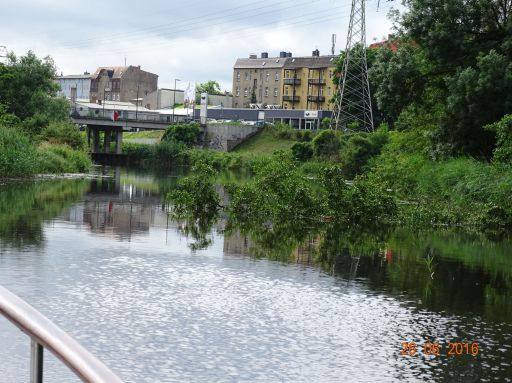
x: 158, y: 303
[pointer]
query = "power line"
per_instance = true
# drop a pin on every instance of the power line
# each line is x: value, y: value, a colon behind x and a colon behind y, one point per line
x: 199, y: 20
x: 238, y: 31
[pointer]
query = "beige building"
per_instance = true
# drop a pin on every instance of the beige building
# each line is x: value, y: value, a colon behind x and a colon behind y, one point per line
x: 126, y: 84
x: 285, y: 82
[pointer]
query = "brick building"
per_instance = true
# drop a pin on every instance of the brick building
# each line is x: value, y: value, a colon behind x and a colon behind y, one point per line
x: 126, y: 84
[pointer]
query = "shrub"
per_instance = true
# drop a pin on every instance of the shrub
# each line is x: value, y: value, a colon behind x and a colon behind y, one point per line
x: 302, y: 151
x: 17, y: 154
x: 326, y: 144
x: 167, y: 153
x: 325, y: 123
x: 280, y: 130
x: 503, y: 129
x: 63, y: 132
x: 60, y: 158
x: 185, y: 134
x: 359, y: 148
x: 138, y: 153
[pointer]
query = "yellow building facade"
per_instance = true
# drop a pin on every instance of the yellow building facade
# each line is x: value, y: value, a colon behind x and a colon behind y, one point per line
x: 297, y: 82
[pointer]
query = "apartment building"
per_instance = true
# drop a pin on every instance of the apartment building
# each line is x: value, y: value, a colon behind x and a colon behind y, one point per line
x: 123, y: 83
x: 286, y: 82
x: 258, y: 80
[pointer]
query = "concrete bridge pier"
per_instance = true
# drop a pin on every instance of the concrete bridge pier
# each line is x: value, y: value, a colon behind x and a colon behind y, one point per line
x: 107, y: 139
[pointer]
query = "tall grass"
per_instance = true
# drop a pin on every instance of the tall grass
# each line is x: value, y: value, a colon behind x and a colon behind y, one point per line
x: 60, y: 158
x: 17, y: 154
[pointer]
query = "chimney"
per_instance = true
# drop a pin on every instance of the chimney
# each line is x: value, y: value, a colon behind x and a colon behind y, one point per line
x: 253, y: 56
x: 289, y: 54
x: 264, y: 55
x: 316, y: 53
x: 283, y: 54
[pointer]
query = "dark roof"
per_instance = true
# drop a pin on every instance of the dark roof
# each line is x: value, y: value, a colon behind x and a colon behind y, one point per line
x: 114, y: 71
x: 73, y: 77
x: 286, y: 62
x: 311, y: 62
x: 272, y: 62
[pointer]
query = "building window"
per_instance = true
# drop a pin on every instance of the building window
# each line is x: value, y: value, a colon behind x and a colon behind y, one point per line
x: 246, y: 92
x: 246, y: 76
x: 237, y: 91
x: 329, y: 91
x: 238, y: 76
x: 277, y: 76
x: 275, y: 92
x: 266, y: 92
x: 268, y: 75
x: 330, y: 74
x: 286, y: 91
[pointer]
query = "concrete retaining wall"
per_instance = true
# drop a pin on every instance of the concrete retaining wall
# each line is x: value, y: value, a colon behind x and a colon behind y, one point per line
x: 225, y: 137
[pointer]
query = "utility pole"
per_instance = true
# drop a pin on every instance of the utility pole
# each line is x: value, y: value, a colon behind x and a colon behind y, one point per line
x: 174, y: 98
x: 353, y: 104
x: 137, y: 103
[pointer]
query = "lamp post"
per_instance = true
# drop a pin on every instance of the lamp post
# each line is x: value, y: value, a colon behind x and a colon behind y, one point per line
x: 105, y: 90
x: 174, y: 98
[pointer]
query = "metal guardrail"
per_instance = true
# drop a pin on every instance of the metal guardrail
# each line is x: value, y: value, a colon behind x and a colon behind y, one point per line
x: 45, y: 334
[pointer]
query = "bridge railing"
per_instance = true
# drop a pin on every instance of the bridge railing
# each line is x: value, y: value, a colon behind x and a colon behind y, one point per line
x: 44, y: 334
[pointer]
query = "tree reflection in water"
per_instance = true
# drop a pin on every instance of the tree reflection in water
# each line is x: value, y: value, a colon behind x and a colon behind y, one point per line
x: 25, y: 206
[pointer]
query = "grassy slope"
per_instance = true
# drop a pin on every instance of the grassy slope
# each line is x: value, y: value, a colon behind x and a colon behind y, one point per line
x: 263, y: 143
x: 156, y: 134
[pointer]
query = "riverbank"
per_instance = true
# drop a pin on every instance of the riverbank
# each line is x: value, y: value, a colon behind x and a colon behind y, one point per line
x: 21, y: 156
x: 456, y: 191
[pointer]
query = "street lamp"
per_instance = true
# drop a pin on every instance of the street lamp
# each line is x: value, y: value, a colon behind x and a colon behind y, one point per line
x: 105, y: 90
x: 174, y: 98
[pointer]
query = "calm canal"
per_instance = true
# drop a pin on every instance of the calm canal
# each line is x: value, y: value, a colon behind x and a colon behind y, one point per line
x: 159, y: 303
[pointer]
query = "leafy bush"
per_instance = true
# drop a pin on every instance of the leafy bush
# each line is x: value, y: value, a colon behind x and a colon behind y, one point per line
x: 17, y: 154
x: 326, y: 144
x: 359, y: 148
x: 60, y: 158
x: 503, y: 129
x: 138, y: 153
x: 303, y: 135
x: 167, y: 153
x: 63, y: 132
x: 302, y: 151
x: 280, y: 130
x: 364, y: 202
x: 185, y: 134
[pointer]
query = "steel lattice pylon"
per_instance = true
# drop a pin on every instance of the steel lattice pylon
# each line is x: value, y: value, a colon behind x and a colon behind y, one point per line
x: 353, y: 104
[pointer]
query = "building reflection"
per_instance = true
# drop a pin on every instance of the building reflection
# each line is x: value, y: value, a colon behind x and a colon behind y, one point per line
x: 119, y: 208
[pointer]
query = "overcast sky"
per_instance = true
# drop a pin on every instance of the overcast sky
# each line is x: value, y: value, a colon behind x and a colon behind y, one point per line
x: 193, y: 41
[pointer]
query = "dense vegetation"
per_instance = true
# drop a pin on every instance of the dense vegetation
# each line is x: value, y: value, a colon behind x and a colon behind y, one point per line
x: 444, y: 144
x: 36, y: 134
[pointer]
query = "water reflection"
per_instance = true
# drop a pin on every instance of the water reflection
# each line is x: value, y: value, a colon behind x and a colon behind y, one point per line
x: 200, y: 300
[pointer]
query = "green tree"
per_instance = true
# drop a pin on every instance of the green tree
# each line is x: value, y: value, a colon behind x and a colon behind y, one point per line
x: 28, y: 91
x: 210, y: 87
x: 477, y: 96
x: 186, y: 134
x: 398, y: 80
x: 454, y: 32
